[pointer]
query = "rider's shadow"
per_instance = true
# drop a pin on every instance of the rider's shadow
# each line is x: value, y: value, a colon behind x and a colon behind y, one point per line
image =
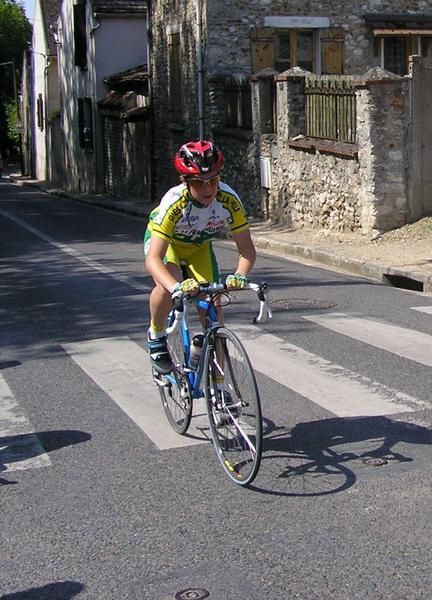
x: 322, y: 457
x: 16, y: 449
x: 62, y: 590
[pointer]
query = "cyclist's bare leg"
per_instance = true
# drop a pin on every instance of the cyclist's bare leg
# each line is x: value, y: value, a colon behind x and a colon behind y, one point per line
x: 160, y: 299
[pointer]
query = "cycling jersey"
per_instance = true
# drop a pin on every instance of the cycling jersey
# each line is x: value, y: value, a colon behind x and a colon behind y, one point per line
x: 179, y: 218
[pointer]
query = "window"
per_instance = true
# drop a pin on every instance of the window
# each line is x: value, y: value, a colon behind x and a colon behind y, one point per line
x: 394, y: 51
x: 398, y: 36
x: 80, y: 34
x: 316, y: 50
x: 238, y: 103
x: 294, y: 49
x: 174, y: 77
x: 85, y: 123
x: 40, y: 112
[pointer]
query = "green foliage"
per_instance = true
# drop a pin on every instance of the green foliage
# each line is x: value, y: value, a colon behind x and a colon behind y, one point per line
x: 15, y: 31
x: 12, y: 124
x: 15, y: 37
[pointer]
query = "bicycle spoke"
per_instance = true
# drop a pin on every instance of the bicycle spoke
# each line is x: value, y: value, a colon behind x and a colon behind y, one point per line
x: 175, y: 391
x: 233, y: 408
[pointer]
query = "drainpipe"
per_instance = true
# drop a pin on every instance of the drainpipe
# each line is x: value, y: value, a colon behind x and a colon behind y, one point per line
x: 199, y: 51
x: 151, y: 118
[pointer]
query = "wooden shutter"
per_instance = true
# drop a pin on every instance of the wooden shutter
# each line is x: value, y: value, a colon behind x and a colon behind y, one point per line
x: 262, y: 48
x: 332, y: 51
x: 175, y: 78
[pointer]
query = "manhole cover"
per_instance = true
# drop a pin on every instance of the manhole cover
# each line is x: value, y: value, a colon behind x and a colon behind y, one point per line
x: 375, y: 462
x: 301, y: 304
x: 192, y: 594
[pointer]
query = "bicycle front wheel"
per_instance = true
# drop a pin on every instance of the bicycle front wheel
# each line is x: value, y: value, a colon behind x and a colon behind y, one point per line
x: 233, y: 407
x: 175, y: 389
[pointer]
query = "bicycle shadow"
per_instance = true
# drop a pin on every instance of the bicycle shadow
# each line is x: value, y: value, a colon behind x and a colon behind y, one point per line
x: 311, y: 459
x: 62, y: 590
x: 16, y: 449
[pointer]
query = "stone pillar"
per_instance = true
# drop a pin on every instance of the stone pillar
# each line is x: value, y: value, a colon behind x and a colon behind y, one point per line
x: 382, y: 117
x: 291, y: 103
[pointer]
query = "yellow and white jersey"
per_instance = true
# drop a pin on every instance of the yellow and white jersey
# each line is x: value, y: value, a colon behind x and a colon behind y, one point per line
x: 179, y: 218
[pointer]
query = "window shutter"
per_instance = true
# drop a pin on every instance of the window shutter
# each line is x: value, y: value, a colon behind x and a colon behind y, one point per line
x: 332, y: 51
x: 175, y: 77
x: 262, y: 48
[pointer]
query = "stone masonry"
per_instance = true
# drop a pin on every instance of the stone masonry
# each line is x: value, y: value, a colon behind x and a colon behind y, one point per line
x: 369, y: 186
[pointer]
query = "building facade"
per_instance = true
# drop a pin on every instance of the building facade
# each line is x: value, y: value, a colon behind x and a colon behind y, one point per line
x: 204, y: 53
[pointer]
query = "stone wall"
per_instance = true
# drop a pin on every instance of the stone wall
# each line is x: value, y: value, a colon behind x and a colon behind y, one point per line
x: 344, y: 190
x: 315, y: 190
x: 228, y: 43
x: 372, y: 185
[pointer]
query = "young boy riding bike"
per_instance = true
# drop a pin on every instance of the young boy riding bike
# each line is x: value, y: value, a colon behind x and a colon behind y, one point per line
x: 179, y: 234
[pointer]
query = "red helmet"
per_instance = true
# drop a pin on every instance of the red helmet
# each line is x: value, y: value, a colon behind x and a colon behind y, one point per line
x: 198, y: 158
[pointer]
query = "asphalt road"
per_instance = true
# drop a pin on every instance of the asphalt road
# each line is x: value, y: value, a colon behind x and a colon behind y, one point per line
x: 93, y: 507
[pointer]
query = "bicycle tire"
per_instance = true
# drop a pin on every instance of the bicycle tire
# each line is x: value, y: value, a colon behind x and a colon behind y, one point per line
x: 174, y: 389
x: 233, y: 407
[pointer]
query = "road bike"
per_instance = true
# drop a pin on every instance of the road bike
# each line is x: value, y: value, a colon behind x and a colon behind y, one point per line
x: 215, y: 366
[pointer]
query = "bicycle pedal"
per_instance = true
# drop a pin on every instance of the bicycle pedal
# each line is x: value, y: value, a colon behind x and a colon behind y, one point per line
x: 161, y: 382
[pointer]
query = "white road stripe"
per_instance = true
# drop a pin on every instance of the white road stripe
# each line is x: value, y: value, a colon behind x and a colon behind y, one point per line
x: 408, y: 343
x: 121, y: 368
x: 75, y: 253
x: 20, y: 448
x: 425, y: 309
x: 342, y: 392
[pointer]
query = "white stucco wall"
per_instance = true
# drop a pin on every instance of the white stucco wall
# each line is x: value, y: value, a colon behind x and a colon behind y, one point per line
x: 120, y: 44
x: 39, y: 61
x: 113, y: 45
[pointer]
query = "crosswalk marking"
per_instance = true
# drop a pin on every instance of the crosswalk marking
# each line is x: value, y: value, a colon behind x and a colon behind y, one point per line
x: 425, y: 309
x: 414, y: 345
x: 342, y: 392
x: 20, y: 448
x: 121, y: 368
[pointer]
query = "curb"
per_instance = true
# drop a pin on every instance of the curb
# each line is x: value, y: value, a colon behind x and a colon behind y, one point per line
x: 371, y: 270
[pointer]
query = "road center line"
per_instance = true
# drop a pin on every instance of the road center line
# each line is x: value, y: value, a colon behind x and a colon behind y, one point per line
x: 75, y: 253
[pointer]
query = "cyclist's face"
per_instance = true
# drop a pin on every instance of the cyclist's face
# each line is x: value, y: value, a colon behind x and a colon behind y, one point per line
x: 203, y: 189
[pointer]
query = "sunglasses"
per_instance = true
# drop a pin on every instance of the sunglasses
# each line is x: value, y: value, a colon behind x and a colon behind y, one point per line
x: 204, y: 182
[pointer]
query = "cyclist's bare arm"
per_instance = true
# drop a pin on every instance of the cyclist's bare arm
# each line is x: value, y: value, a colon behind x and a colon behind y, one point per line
x: 246, y: 250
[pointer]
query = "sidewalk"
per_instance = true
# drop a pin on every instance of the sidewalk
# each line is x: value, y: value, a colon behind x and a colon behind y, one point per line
x: 402, y: 258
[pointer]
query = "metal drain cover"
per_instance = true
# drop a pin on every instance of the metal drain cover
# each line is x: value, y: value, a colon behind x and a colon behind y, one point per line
x: 375, y: 461
x: 192, y: 594
x: 301, y: 304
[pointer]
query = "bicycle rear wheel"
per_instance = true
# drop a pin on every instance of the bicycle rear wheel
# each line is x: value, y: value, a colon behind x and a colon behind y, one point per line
x: 233, y: 407
x: 174, y: 388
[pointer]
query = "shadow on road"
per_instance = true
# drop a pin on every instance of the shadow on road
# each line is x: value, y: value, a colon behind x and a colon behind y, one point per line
x: 312, y: 459
x: 18, y: 448
x: 62, y: 590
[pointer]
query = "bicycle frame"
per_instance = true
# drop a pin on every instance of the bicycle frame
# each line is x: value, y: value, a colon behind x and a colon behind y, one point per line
x: 180, y: 320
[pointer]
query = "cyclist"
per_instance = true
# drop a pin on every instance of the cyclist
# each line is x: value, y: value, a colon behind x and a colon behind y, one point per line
x: 179, y: 234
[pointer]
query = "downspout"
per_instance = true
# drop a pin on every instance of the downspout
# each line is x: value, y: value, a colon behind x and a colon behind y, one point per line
x: 150, y: 102
x: 199, y: 51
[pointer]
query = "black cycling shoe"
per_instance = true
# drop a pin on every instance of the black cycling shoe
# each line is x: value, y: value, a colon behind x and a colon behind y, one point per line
x: 159, y: 355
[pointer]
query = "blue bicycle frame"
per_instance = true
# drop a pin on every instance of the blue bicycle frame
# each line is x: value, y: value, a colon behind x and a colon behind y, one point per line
x: 208, y: 307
